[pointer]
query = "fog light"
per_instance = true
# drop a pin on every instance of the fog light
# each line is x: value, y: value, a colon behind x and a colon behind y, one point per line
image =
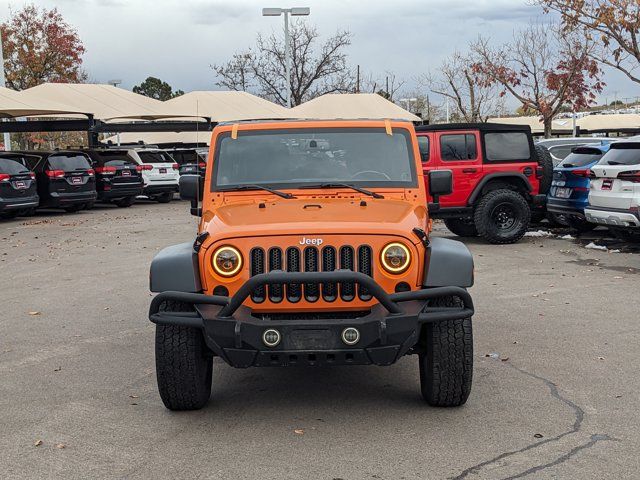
x: 350, y: 336
x: 271, y: 337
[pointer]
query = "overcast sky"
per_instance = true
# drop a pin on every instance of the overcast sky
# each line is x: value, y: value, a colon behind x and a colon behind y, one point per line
x: 177, y: 40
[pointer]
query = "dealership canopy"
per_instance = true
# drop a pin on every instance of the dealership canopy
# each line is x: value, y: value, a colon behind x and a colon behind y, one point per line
x: 103, y: 102
x: 588, y: 124
x: 13, y: 104
x: 226, y: 106
x: 352, y: 106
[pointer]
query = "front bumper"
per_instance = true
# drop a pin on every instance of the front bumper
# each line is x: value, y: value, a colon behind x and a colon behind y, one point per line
x: 613, y: 217
x: 390, y: 330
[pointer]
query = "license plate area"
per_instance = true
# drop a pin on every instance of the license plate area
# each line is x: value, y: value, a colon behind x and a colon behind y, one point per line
x: 20, y: 185
x: 162, y: 170
x: 308, y: 339
x: 563, y: 192
x: 607, y: 183
x: 126, y: 173
x: 76, y: 180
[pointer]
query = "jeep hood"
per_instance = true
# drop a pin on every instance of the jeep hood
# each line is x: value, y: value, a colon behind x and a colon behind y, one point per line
x: 309, y: 215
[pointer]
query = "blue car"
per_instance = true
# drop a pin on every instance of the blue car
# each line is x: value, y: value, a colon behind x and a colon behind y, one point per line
x: 569, y: 193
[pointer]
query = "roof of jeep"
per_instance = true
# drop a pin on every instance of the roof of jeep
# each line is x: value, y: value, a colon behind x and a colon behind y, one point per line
x: 484, y: 127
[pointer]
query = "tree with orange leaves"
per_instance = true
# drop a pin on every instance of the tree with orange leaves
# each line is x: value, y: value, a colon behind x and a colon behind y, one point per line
x: 40, y: 46
x: 545, y: 70
x: 614, y: 26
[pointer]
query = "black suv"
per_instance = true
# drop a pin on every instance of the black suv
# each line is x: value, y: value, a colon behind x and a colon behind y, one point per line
x: 118, y: 177
x: 191, y: 160
x: 65, y: 179
x: 18, y: 193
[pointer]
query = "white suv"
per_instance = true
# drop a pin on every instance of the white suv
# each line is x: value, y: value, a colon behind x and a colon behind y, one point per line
x: 159, y: 172
x: 614, y: 195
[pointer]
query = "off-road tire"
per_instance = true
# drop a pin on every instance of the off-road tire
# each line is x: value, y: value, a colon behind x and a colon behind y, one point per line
x: 580, y: 225
x: 489, y: 227
x: 124, y: 202
x: 184, y: 365
x: 164, y: 197
x: 546, y: 162
x: 446, y: 363
x: 461, y: 227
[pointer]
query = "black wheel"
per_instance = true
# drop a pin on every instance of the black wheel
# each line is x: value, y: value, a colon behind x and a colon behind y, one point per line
x: 580, y: 224
x: 125, y: 202
x: 625, y: 235
x: 502, y: 216
x: 183, y: 364
x: 446, y: 363
x: 462, y: 227
x: 546, y: 162
x: 73, y: 208
x: 164, y: 197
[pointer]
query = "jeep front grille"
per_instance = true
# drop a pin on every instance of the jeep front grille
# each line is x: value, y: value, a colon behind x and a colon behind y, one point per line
x: 311, y: 259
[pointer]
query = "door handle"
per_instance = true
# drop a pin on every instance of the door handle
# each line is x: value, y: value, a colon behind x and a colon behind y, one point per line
x: 469, y: 170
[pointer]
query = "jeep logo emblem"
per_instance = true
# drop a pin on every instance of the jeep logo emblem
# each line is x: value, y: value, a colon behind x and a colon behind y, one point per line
x: 311, y: 241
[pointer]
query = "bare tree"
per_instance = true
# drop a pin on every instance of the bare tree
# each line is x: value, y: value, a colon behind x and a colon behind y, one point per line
x: 614, y: 25
x: 543, y: 69
x: 457, y: 80
x: 387, y: 86
x: 316, y: 68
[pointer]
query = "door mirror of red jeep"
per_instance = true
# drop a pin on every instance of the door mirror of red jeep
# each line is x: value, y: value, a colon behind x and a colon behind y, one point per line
x: 191, y: 188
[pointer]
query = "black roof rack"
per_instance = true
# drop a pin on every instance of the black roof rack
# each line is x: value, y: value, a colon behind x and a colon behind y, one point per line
x: 482, y: 126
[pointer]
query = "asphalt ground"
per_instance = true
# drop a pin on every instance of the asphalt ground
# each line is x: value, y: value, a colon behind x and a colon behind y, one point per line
x: 555, y: 390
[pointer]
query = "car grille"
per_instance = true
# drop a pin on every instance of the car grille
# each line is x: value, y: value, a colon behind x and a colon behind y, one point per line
x: 311, y: 259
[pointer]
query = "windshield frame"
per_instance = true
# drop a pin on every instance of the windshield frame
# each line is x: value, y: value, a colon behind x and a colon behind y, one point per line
x: 369, y: 184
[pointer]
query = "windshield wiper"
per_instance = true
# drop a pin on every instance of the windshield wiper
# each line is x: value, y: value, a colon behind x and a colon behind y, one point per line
x: 345, y: 185
x: 259, y: 187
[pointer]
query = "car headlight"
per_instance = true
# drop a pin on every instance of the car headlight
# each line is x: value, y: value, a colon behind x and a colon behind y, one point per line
x: 226, y: 261
x: 395, y: 258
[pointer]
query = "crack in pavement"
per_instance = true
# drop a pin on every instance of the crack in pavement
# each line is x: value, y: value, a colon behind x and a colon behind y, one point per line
x: 577, y: 424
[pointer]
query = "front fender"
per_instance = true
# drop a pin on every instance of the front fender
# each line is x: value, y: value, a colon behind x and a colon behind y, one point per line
x: 448, y: 263
x: 175, y: 268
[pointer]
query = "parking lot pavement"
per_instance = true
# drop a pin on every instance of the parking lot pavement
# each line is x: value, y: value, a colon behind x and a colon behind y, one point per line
x: 555, y: 391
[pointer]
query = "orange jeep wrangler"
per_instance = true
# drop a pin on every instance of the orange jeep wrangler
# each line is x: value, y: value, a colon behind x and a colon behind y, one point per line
x: 313, y: 249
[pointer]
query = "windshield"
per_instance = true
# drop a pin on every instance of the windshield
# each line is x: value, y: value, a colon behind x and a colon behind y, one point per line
x: 12, y: 167
x: 622, y: 154
x: 581, y: 159
x: 155, y: 157
x: 68, y: 162
x: 299, y: 157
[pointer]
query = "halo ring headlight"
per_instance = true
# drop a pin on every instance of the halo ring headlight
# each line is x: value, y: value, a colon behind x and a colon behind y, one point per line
x: 395, y: 258
x: 227, y: 261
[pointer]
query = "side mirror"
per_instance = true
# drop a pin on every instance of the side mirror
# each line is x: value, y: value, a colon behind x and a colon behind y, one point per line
x: 192, y: 189
x: 440, y: 183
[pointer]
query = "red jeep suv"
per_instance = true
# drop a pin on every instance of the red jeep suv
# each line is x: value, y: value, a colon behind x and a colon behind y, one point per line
x: 499, y: 178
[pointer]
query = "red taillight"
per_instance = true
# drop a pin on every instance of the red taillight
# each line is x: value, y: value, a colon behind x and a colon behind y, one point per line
x: 4, y: 177
x: 175, y: 166
x: 202, y: 165
x: 32, y: 175
x: 138, y: 168
x: 632, y: 176
x: 54, y: 173
x: 106, y: 170
x: 91, y: 171
x: 147, y: 167
x: 581, y: 172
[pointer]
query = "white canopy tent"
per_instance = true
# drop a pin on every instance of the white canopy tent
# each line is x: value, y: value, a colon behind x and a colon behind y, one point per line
x: 352, y: 106
x: 13, y: 104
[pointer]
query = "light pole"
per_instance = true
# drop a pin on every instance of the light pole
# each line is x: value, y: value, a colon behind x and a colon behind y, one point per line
x: 276, y: 12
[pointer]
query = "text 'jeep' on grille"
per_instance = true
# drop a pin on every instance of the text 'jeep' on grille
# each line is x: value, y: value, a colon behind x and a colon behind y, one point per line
x: 313, y: 248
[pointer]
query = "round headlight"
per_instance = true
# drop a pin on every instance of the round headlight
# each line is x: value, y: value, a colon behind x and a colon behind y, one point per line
x: 395, y: 258
x: 226, y: 261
